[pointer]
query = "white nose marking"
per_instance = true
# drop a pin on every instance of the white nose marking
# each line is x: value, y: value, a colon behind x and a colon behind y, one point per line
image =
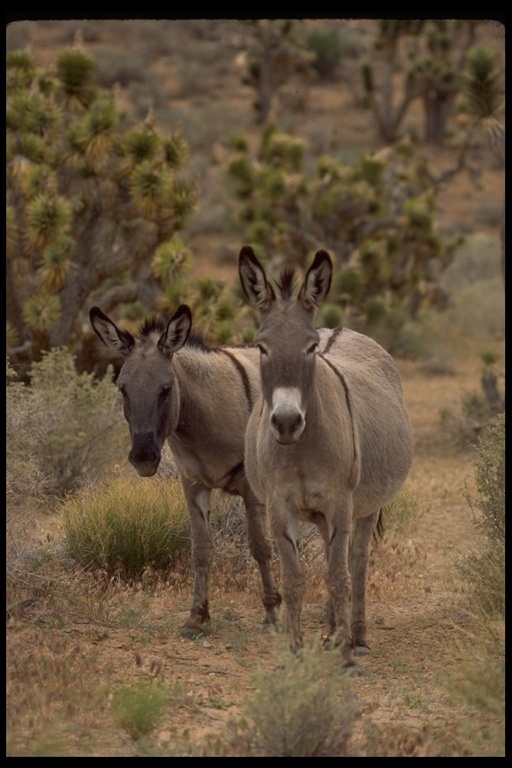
x: 287, y: 420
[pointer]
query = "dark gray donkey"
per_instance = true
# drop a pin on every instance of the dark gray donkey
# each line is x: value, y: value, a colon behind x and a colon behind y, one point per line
x: 329, y: 441
x: 198, y: 399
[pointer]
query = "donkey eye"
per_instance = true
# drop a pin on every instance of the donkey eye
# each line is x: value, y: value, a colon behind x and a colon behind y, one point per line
x: 262, y: 349
x: 310, y: 350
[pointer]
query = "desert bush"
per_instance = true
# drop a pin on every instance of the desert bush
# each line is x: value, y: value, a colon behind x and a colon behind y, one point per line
x: 138, y: 709
x: 479, y: 409
x: 480, y: 682
x: 303, y: 709
x: 330, y: 46
x: 485, y: 569
x: 477, y: 260
x: 61, y: 428
x: 126, y: 526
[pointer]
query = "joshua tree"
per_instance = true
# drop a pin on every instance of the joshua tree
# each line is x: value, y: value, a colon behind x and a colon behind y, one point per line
x: 94, y: 205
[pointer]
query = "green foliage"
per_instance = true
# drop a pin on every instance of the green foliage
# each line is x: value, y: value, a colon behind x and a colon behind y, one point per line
x: 138, y: 709
x: 65, y: 425
x: 90, y: 198
x: 485, y: 571
x: 124, y: 526
x: 328, y: 47
x: 377, y: 216
x: 330, y: 316
x: 482, y: 96
x: 303, y: 709
x: 482, y: 83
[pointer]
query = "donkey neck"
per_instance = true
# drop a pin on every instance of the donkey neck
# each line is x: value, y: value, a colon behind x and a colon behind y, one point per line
x: 217, y: 389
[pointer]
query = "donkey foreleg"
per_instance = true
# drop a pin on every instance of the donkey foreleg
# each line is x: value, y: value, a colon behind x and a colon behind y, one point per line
x: 338, y: 585
x: 198, y: 502
x: 359, y: 559
x: 260, y: 546
x: 292, y: 577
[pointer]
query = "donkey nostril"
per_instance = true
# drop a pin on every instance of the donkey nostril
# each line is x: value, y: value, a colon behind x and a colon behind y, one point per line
x: 287, y: 422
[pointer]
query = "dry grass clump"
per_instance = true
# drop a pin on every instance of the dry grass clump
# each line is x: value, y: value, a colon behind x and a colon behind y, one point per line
x: 124, y: 526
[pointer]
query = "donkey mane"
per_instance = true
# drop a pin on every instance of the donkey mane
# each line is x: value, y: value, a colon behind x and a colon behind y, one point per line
x: 156, y: 324
x: 151, y: 325
x: 286, y: 283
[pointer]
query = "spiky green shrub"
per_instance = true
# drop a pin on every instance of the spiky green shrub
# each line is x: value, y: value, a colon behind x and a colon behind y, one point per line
x: 126, y: 525
x: 61, y: 428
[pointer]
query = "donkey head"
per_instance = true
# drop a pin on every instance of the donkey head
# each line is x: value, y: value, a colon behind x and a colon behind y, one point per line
x: 287, y: 338
x: 147, y: 381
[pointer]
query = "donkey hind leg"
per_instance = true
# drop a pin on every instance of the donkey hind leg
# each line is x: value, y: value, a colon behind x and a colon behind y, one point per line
x: 260, y: 546
x: 359, y: 558
x: 198, y: 502
x: 286, y: 530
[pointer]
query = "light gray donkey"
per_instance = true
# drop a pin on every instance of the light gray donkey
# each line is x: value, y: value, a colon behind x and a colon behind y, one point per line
x: 329, y: 441
x: 198, y: 399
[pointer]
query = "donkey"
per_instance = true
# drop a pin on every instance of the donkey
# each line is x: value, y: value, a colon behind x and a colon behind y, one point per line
x: 198, y: 399
x: 329, y: 441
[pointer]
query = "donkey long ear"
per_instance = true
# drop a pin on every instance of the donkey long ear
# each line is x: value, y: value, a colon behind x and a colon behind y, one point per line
x: 254, y: 281
x: 113, y: 337
x: 317, y: 283
x: 177, y: 331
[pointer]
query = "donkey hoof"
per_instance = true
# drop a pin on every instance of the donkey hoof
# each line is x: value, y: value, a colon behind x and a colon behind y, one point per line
x: 351, y: 670
x: 191, y: 631
x: 361, y: 650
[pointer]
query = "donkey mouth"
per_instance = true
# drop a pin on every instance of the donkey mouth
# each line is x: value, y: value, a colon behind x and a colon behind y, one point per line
x: 146, y: 471
x: 286, y: 438
x: 144, y: 468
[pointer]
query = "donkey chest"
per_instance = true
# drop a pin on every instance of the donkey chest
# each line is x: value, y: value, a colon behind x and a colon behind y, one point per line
x: 202, y: 463
x: 298, y: 488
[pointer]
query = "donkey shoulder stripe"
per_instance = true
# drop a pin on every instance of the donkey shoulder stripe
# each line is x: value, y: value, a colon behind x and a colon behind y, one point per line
x: 332, y: 338
x: 243, y: 373
x: 347, y: 397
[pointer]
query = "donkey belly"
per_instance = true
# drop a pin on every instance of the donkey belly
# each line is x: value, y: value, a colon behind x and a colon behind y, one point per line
x: 383, y: 472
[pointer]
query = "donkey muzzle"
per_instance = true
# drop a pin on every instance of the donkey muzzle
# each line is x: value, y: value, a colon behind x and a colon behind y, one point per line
x: 144, y: 455
x: 287, y: 424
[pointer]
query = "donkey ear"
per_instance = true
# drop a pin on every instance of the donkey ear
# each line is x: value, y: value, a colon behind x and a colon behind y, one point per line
x: 177, y: 331
x: 254, y: 282
x: 318, y: 281
x: 113, y: 337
